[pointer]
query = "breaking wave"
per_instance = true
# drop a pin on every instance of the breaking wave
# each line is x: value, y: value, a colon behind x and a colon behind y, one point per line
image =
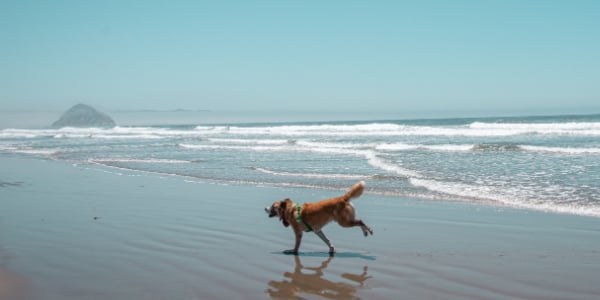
x: 506, y: 197
x: 309, y: 175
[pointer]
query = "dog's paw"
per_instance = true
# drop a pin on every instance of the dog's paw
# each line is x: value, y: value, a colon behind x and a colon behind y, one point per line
x: 291, y: 251
x: 367, y: 231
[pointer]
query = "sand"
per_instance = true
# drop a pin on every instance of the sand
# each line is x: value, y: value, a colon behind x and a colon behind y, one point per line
x: 85, y: 232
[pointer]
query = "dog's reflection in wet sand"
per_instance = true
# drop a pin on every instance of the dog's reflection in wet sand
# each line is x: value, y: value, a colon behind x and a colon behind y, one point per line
x: 310, y: 281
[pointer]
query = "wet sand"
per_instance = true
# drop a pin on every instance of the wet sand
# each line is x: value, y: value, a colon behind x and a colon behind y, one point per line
x: 12, y: 286
x: 81, y: 232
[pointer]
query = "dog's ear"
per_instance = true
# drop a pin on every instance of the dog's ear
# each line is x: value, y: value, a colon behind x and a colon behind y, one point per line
x: 282, y: 212
x: 282, y: 207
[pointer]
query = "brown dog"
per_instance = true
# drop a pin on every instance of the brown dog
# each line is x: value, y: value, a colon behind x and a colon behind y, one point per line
x: 314, y: 216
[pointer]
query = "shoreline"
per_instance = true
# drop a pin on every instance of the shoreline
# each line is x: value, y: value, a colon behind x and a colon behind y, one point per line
x: 466, y: 200
x: 76, y: 233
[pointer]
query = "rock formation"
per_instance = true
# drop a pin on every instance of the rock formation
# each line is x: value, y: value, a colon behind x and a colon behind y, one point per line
x: 82, y: 115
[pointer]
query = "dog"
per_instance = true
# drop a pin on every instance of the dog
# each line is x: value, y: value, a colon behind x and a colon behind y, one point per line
x: 314, y: 216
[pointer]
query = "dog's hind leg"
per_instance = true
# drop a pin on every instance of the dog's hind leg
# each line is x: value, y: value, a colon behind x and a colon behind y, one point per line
x: 346, y: 218
x: 321, y: 235
x: 366, y: 229
x: 351, y: 223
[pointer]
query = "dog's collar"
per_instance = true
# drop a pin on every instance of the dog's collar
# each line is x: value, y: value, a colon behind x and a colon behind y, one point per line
x: 299, y: 217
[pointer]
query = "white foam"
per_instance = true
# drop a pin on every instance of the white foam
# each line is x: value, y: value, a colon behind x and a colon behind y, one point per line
x: 99, y: 133
x: 22, y: 149
x: 235, y: 147
x: 251, y: 141
x: 471, y: 147
x: 412, y: 147
x: 371, y: 156
x: 44, y: 152
x: 22, y: 133
x: 295, y: 130
x: 345, y: 146
x: 8, y: 147
x: 309, y: 175
x: 504, y: 195
x: 137, y: 160
x: 563, y: 150
x: 476, y: 129
x: 286, y: 147
x: 569, y: 128
x: 128, y: 136
x: 374, y: 160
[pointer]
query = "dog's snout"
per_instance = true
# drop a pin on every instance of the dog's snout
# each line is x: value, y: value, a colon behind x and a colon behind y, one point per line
x: 270, y: 210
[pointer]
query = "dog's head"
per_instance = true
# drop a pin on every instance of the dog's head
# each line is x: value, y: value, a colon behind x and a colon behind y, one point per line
x: 279, y: 209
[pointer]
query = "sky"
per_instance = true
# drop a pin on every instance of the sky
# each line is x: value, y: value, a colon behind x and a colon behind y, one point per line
x: 495, y: 56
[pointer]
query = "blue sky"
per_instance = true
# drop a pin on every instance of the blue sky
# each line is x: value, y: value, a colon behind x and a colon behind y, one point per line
x: 492, y: 56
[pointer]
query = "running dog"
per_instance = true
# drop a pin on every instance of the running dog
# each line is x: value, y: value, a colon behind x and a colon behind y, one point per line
x: 314, y: 216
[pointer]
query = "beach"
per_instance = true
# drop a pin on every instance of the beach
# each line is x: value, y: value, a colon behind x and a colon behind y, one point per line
x: 83, y: 231
x: 140, y: 144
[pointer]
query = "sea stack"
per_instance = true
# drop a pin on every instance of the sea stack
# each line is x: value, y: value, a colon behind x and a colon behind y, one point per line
x: 82, y: 115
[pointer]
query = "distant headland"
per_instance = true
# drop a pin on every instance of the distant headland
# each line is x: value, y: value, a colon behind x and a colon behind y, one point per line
x: 82, y: 115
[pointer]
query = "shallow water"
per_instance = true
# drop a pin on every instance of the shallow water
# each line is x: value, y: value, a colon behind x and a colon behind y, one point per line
x: 543, y: 163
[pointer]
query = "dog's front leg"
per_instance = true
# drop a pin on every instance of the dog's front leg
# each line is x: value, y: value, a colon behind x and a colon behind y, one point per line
x: 320, y: 234
x: 298, y: 234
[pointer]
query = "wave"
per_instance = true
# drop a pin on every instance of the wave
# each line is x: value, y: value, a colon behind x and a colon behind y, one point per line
x: 253, y: 141
x: 492, y: 147
x: 194, y: 178
x: 538, y: 126
x: 320, y: 147
x: 235, y: 148
x: 562, y: 128
x: 364, y: 130
x: 28, y: 150
x: 562, y: 150
x: 98, y: 133
x: 500, y: 195
x: 475, y: 129
x: 372, y: 157
x: 341, y: 146
x: 485, y: 147
x: 110, y: 136
x: 43, y: 152
x: 138, y: 160
x: 302, y: 129
x: 412, y: 147
x: 288, y: 147
x: 531, y: 148
x: 376, y: 161
x: 309, y: 175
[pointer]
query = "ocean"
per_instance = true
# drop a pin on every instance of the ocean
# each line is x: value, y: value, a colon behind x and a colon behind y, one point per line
x: 547, y: 163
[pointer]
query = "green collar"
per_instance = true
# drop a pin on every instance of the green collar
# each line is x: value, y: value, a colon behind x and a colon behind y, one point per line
x: 299, y: 218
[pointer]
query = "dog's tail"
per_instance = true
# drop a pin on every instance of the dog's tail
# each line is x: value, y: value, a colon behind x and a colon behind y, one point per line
x: 355, y: 191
